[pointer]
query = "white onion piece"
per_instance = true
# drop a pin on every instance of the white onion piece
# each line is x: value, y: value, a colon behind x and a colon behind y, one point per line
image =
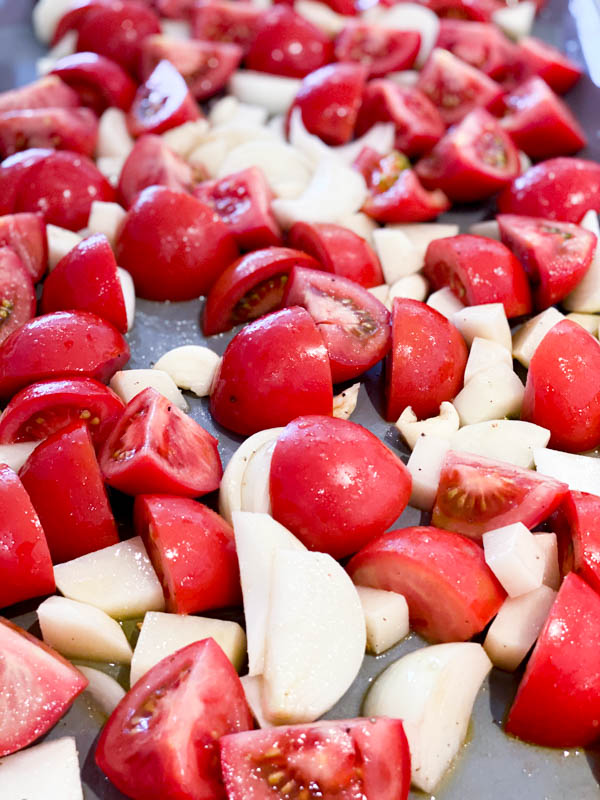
x: 273, y: 92
x: 184, y: 139
x: 582, y: 473
x: 589, y: 322
x: 309, y: 144
x: 413, y: 17
x: 408, y: 78
x: 105, y: 691
x: 256, y: 494
x: 397, y: 255
x: 128, y: 289
x: 46, y: 16
x: 253, y: 689
x: 491, y: 394
x: 113, y: 135
x: 60, y: 242
x: 176, y: 29
x: 277, y: 126
x: 444, y: 426
x: 344, y: 403
x: 382, y: 293
x: 334, y: 192
x: 487, y: 320
x: 529, y: 336
x: 488, y: 228
x: 414, y: 287
x: 228, y: 109
x: 515, y: 558
x: 510, y: 440
x: 111, y: 167
x: 445, y: 302
x: 65, y: 47
x: 106, y: 218
x: 322, y: 16
x: 425, y: 467
x: 16, y: 454
x: 192, y: 367
x: 218, y: 142
x: 484, y: 354
x: 128, y: 383
x: 586, y: 295
x: 47, y: 771
x: 380, y: 137
x: 516, y: 20
x: 360, y: 224
x: 287, y: 171
x: 386, y: 618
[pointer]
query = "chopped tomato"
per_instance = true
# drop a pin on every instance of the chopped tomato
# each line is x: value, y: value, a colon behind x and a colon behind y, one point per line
x: 17, y: 294
x: 577, y: 526
x: 152, y: 163
x: 47, y: 92
x: 74, y: 129
x: 478, y: 494
x: 12, y: 169
x: 559, y: 72
x: 99, y: 82
x: 26, y: 235
x: 225, y: 21
x: 451, y: 592
x: 483, y: 46
x: 478, y: 10
x: 162, y: 102
x: 381, y: 50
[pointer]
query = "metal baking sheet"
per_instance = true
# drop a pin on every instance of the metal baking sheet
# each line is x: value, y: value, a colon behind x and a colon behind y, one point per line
x: 492, y: 766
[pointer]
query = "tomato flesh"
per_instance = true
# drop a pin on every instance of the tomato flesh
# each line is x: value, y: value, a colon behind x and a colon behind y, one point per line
x: 17, y: 293
x: 47, y: 92
x: 73, y: 129
x: 26, y: 235
x: 162, y: 102
x: 379, y: 49
x: 225, y: 21
x: 100, y: 82
x: 152, y: 163
x: 576, y: 522
x: 559, y: 72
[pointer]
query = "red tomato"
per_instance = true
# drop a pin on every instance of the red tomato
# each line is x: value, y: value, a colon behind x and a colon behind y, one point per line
x: 338, y: 760
x: 152, y: 163
x: 25, y: 564
x: 205, y: 66
x: 74, y: 129
x: 86, y: 279
x: 472, y: 161
x: 478, y: 10
x: 381, y: 50
x: 243, y: 201
x: 274, y: 369
x: 17, y: 294
x: 479, y: 271
x: 38, y: 686
x: 287, y: 44
x: 556, y: 255
x: 250, y: 287
x: 155, y: 448
x: 174, y: 246
x: 62, y: 343
x: 478, y: 494
x: 559, y: 394
x: 192, y: 550
x: 539, y: 122
x: 47, y: 92
x: 162, y: 102
x: 12, y: 169
x: 192, y: 697
x: 560, y: 188
x: 418, y: 122
x: 451, y: 592
x: 329, y: 99
x: 62, y: 187
x: 339, y: 250
x: 353, y: 323
x: 559, y: 72
x: 455, y: 87
x: 99, y: 82
x: 427, y: 361
x: 26, y: 235
x: 64, y: 482
x: 44, y: 408
x: 224, y: 21
x: 558, y: 701
x: 483, y: 46
x: 396, y: 194
x: 577, y: 526
x: 175, y: 9
x: 335, y: 485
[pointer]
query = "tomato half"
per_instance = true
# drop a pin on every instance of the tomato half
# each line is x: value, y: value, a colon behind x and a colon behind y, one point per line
x: 38, y: 686
x: 162, y: 102
x: 332, y: 760
x: 192, y: 550
x: 451, y: 592
x: 74, y: 129
x: 381, y: 50
x: 478, y: 494
x: 479, y: 271
x: 335, y: 485
x: 152, y: 163
x: 251, y: 286
x: 44, y: 408
x: 155, y: 448
x: 162, y: 738
x: 99, y: 82
x: 559, y: 394
x: 427, y: 360
x: 273, y: 370
x: 25, y: 563
x: 58, y: 344
x: 17, y: 293
x: 353, y: 323
x: 225, y: 21
x: 26, y: 235
x: 558, y: 701
x: 577, y: 526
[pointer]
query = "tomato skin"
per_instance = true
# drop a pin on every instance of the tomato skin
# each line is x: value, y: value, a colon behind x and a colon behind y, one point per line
x: 98, y: 81
x: 483, y: 46
x: 47, y: 92
x: 274, y: 369
x: 405, y: 200
x: 38, y: 687
x: 451, y: 592
x: 576, y: 522
x: 25, y: 564
x: 472, y: 161
x: 17, y: 294
x: 73, y: 129
x: 476, y: 10
x: 556, y: 255
x: 478, y: 494
x: 325, y: 755
x: 224, y: 21
x: 479, y: 270
x: 560, y: 188
x: 63, y: 480
x: 193, y: 697
x: 559, y: 394
x: 380, y: 50
x: 339, y: 510
x: 263, y: 272
x: 557, y: 703
x: 427, y: 361
x: 192, y: 550
x: 12, y: 169
x: 43, y: 408
x: 353, y: 323
x: 162, y: 102
x: 174, y: 246
x: 86, y: 279
x: 152, y: 163
x: 303, y: 48
x: 61, y: 343
x: 559, y: 72
x: 26, y: 235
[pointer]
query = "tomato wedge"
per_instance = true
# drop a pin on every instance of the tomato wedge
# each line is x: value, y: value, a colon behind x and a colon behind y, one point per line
x: 47, y: 92
x: 451, y: 592
x: 152, y: 163
x: 17, y: 294
x: 162, y: 738
x: 559, y: 72
x: 100, y: 82
x: 162, y: 102
x: 225, y: 21
x: 12, y: 169
x: 379, y: 49
x: 26, y: 235
x: 333, y: 760
x: 577, y: 526
x: 155, y: 447
x: 74, y: 129
x: 38, y: 686
x: 353, y: 323
x: 483, y: 46
x: 478, y: 494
